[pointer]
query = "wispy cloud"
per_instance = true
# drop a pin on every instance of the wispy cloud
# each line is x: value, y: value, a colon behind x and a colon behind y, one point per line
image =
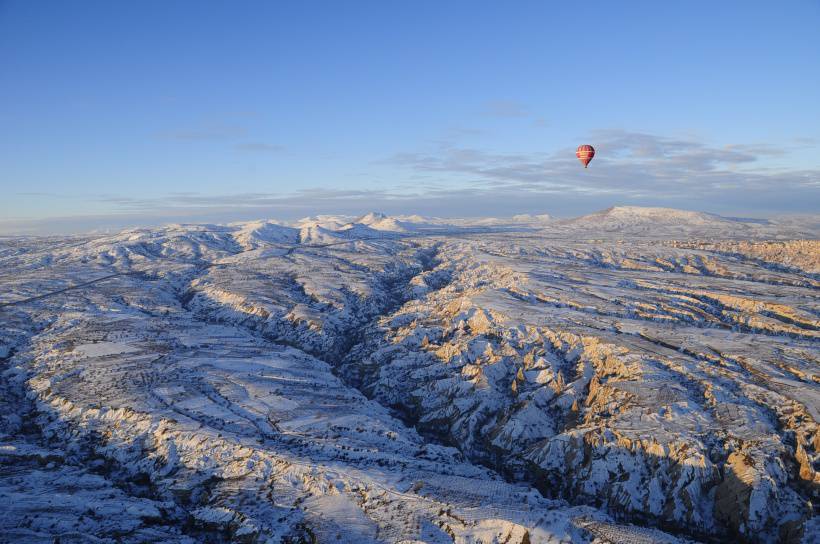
x: 505, y: 108
x: 233, y: 135
x: 260, y: 147
x: 628, y: 165
x: 449, y: 180
x: 205, y: 133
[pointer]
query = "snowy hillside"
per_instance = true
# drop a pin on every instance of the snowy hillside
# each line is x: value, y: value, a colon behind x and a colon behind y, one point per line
x: 633, y: 375
x: 667, y: 222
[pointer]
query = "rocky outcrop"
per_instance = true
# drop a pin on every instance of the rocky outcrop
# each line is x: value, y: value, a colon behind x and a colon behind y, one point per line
x: 252, y: 384
x: 647, y: 434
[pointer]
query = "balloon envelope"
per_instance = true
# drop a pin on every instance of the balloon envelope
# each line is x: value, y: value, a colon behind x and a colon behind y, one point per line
x: 585, y: 154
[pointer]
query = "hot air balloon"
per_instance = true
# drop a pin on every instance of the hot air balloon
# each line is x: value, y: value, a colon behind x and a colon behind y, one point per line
x: 585, y: 154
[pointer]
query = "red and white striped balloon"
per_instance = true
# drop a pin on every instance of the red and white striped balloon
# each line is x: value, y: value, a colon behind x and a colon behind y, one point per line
x: 585, y: 154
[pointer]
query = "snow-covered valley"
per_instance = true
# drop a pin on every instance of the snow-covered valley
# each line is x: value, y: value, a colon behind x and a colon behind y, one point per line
x: 635, y: 375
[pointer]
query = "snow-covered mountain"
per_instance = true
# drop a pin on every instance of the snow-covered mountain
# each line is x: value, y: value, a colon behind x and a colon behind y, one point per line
x: 261, y: 233
x: 407, y: 379
x: 630, y: 216
x: 665, y: 222
x: 616, y: 221
x: 380, y: 221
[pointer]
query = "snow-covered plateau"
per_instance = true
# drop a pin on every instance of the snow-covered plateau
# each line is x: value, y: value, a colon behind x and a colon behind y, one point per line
x: 636, y: 375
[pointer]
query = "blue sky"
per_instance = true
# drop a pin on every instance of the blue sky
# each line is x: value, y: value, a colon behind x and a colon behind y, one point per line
x: 117, y: 113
